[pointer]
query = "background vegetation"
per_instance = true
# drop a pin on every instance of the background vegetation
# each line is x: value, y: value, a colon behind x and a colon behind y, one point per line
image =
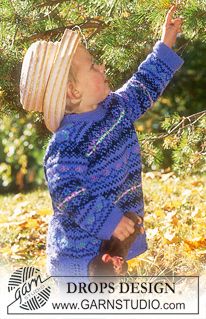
x: 122, y: 33
x: 172, y: 134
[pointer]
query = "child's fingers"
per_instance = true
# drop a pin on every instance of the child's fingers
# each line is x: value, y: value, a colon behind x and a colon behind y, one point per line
x: 139, y: 220
x: 178, y: 21
x: 128, y: 232
x: 130, y: 229
x: 179, y: 30
x: 141, y: 230
x: 120, y: 237
x: 124, y: 234
x: 178, y: 25
x: 130, y: 222
x: 169, y: 15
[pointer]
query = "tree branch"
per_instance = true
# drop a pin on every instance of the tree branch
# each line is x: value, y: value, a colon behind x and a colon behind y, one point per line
x: 90, y: 24
x: 177, y: 127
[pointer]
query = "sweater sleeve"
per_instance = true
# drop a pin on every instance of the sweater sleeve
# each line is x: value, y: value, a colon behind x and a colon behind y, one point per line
x: 147, y: 84
x: 65, y: 173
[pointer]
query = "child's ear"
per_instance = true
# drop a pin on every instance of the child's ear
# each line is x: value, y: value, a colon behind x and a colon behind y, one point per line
x: 72, y: 92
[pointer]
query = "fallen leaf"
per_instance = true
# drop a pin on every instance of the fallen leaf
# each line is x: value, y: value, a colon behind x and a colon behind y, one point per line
x: 32, y: 223
x: 151, y: 233
x: 44, y: 212
x: 198, y: 183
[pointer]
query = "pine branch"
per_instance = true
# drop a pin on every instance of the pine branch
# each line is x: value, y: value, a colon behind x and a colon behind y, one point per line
x: 112, y: 9
x: 90, y: 24
x: 52, y: 11
x: 179, y: 127
x: 15, y: 34
x: 13, y: 8
x: 98, y: 29
x: 181, y: 49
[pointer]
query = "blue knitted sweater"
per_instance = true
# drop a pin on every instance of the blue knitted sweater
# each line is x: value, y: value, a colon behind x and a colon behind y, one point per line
x: 93, y: 168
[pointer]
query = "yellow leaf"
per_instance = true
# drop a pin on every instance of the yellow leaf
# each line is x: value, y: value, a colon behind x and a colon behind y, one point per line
x: 176, y: 203
x: 198, y: 183
x: 196, y: 243
x: 139, y: 127
x: 196, y: 212
x: 175, y: 220
x: 3, y: 218
x: 32, y: 223
x: 5, y: 250
x: 159, y: 213
x: 44, y: 212
x: 168, y: 207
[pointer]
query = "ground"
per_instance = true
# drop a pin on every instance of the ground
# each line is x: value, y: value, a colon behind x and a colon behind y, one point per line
x: 175, y: 219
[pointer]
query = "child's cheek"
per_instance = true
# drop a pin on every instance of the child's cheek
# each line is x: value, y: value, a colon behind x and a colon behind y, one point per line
x: 98, y: 84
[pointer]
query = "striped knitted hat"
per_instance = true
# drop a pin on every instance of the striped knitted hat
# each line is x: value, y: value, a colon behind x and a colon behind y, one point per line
x: 44, y: 77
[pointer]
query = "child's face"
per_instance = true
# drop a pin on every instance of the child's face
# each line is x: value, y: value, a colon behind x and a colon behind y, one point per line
x: 91, y: 79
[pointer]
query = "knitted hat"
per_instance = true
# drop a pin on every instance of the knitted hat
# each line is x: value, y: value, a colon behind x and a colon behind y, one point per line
x: 44, y: 77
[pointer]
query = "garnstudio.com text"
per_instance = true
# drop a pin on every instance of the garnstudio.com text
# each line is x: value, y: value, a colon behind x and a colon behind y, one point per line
x: 118, y: 304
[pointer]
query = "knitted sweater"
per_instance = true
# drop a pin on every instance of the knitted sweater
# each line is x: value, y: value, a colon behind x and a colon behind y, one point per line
x: 93, y: 168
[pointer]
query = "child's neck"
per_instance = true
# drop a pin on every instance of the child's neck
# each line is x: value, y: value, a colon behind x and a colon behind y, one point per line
x: 81, y: 109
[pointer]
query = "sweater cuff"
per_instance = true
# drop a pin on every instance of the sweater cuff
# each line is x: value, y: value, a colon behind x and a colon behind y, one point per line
x: 168, y: 56
x: 110, y: 224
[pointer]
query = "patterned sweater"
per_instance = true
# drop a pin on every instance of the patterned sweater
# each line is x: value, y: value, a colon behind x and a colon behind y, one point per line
x: 93, y: 168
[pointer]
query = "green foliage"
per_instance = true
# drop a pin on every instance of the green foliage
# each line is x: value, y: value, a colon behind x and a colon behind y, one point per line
x: 182, y: 142
x: 187, y: 92
x: 189, y: 152
x: 21, y: 153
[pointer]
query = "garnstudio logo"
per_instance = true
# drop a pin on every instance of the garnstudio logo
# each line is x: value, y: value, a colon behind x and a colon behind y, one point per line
x: 30, y: 291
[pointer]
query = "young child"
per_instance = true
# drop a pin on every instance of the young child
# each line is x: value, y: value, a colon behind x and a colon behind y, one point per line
x: 93, y: 163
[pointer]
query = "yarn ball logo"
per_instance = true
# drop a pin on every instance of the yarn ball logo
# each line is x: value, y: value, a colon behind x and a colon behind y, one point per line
x: 29, y: 289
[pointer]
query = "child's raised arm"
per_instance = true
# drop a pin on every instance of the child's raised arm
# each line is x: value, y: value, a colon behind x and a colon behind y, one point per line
x: 147, y: 84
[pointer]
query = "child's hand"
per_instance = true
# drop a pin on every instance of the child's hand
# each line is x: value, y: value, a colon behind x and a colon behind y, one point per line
x: 124, y: 229
x: 171, y: 28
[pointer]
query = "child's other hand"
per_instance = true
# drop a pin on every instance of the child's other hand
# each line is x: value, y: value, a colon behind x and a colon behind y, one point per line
x: 124, y: 229
x: 171, y: 28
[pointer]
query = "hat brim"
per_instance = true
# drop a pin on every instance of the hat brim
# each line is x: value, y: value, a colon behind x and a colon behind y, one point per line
x: 54, y: 103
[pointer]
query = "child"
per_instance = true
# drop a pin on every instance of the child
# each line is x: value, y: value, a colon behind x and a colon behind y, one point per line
x: 92, y: 163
